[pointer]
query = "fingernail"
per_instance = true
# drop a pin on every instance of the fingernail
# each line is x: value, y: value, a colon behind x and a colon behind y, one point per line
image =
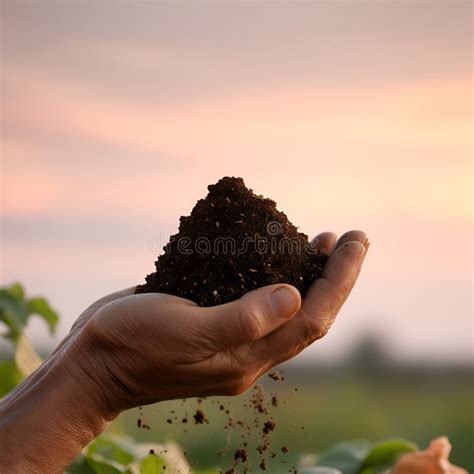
x: 360, y: 249
x: 285, y: 301
x: 352, y: 249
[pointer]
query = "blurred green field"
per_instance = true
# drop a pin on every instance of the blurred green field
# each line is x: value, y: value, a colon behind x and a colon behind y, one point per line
x: 333, y: 404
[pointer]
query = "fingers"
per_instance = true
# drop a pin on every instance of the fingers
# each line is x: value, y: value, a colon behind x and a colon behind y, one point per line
x: 328, y: 293
x: 252, y: 317
x: 324, y: 242
x: 319, y: 308
x: 353, y: 236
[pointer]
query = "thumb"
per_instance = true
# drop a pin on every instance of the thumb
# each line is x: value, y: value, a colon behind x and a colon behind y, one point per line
x: 253, y: 316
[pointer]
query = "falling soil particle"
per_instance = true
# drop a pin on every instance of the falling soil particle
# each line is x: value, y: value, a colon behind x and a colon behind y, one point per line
x: 263, y: 465
x: 200, y: 417
x: 263, y: 447
x: 268, y: 427
x: 276, y: 376
x: 284, y: 449
x: 241, y: 454
x: 233, y: 242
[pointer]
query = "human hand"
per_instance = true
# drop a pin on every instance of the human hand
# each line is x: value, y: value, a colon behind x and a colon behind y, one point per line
x: 127, y: 350
x: 144, y: 348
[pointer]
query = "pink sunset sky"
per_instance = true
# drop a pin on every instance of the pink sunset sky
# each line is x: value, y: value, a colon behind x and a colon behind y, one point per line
x: 115, y: 117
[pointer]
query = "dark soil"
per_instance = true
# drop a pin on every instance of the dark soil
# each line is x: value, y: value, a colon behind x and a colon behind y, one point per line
x: 268, y: 427
x: 241, y: 454
x: 233, y: 242
x: 276, y: 376
x: 200, y: 417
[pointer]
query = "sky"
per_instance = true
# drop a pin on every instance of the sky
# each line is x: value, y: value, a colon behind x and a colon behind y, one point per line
x: 350, y: 114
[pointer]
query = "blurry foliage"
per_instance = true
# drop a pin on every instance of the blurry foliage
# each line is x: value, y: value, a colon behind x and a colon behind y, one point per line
x: 363, y: 457
x: 111, y: 454
x: 15, y: 311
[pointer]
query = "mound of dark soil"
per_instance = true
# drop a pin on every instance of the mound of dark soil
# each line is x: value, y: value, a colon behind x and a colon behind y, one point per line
x: 233, y: 242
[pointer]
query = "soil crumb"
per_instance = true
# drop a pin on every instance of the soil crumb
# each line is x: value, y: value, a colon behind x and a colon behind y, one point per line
x: 276, y: 376
x: 200, y: 417
x: 268, y: 427
x: 241, y: 454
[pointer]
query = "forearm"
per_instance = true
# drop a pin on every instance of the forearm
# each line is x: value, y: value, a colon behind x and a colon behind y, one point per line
x: 51, y: 416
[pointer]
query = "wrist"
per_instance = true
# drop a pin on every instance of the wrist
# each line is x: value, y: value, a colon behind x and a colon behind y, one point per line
x: 52, y: 415
x: 97, y: 357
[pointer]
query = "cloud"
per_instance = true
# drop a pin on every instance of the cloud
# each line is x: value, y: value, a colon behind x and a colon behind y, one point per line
x: 61, y: 131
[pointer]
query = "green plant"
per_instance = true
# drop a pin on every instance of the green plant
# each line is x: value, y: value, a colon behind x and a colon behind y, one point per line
x: 110, y: 454
x: 364, y: 457
x: 15, y: 311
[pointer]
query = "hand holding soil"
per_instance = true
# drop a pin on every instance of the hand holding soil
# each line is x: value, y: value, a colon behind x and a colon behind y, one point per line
x: 131, y: 349
x: 162, y: 347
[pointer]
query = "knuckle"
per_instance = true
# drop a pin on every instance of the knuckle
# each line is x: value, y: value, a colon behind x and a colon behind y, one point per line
x: 308, y: 331
x: 316, y: 328
x: 250, y: 322
x: 320, y: 332
x: 330, y: 306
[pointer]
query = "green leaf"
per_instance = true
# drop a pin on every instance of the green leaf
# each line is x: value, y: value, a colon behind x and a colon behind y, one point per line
x: 110, y: 450
x: 385, y: 453
x: 80, y: 466
x: 152, y: 464
x: 15, y: 310
x: 12, y: 311
x: 17, y: 291
x: 42, y: 308
x: 27, y: 360
x: 347, y: 456
x: 10, y: 377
